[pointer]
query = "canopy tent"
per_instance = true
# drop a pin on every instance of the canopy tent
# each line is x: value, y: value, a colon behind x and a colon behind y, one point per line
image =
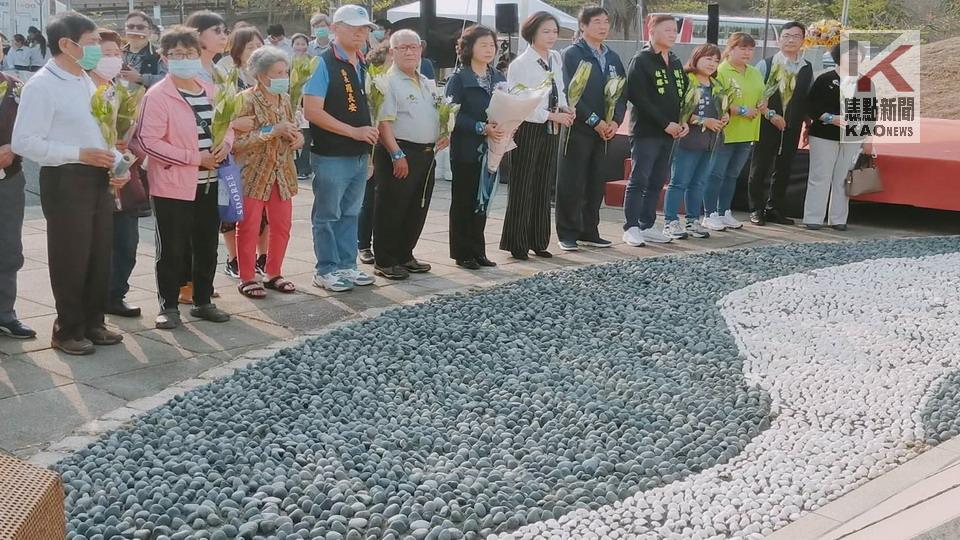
x: 466, y: 10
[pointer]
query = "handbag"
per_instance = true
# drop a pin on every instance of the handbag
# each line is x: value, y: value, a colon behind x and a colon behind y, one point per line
x: 864, y: 178
x: 229, y: 191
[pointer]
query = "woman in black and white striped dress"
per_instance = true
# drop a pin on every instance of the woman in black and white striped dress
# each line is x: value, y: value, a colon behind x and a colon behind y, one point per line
x: 526, y: 226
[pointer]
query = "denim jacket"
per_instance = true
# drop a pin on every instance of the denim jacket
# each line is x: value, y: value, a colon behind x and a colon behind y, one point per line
x: 463, y: 88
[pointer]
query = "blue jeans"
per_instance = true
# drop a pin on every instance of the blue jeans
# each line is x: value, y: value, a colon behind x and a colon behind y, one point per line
x: 338, y: 184
x: 690, y: 171
x: 727, y: 166
x: 651, y: 170
x: 126, y: 236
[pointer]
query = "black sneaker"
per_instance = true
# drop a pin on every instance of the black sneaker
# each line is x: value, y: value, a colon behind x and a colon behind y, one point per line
x: 210, y: 312
x: 567, y: 245
x: 17, y: 330
x: 596, y: 242
x: 366, y: 256
x: 758, y: 218
x: 168, y: 319
x: 232, y: 269
x: 261, y: 265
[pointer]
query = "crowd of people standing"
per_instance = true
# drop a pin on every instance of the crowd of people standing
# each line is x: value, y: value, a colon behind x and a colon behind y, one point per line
x: 372, y: 169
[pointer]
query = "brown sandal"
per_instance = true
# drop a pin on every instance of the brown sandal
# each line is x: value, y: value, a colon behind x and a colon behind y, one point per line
x: 252, y: 289
x: 280, y: 285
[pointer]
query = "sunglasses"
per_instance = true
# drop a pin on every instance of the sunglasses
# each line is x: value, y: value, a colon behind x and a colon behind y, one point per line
x: 136, y: 27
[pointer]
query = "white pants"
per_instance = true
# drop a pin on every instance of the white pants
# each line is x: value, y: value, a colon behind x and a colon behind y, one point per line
x: 830, y: 161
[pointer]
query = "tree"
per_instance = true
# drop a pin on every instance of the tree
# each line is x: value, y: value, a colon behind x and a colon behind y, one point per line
x: 864, y: 14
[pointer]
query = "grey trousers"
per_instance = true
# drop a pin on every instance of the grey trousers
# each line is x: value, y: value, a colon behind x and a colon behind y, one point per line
x: 11, y: 244
x: 830, y: 161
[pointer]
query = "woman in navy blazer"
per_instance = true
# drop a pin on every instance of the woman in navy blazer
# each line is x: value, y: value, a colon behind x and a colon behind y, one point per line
x: 471, y: 87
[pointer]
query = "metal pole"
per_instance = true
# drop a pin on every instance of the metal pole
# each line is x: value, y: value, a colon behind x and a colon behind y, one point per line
x: 845, y: 14
x: 639, y: 23
x: 479, y: 12
x: 766, y: 32
x: 130, y: 5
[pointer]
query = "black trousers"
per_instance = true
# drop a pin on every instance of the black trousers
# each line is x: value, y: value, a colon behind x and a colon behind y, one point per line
x: 466, y: 224
x: 401, y: 205
x: 365, y: 222
x: 78, y: 207
x: 126, y: 238
x: 766, y: 191
x: 187, y: 230
x: 579, y: 187
x: 526, y: 224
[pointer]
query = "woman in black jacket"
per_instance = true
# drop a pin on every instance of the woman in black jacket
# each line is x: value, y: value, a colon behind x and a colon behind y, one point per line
x: 471, y: 87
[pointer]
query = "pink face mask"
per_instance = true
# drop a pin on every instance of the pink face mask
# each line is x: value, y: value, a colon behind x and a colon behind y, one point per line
x: 109, y: 67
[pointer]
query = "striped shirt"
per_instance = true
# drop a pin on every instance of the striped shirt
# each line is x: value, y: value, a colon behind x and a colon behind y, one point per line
x: 203, y: 110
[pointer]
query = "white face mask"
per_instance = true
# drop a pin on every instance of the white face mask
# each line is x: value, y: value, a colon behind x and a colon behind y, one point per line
x: 109, y: 67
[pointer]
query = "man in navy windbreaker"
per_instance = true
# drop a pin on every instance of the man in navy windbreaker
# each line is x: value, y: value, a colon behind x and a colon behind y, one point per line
x: 579, y: 185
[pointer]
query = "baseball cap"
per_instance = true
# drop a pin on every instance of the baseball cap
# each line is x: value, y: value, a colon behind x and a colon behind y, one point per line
x: 353, y: 15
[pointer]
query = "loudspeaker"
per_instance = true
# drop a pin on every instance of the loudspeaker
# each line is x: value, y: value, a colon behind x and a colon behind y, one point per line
x: 713, y: 23
x: 508, y: 19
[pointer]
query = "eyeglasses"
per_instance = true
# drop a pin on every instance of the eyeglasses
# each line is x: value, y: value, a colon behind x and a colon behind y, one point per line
x: 407, y: 48
x: 791, y: 37
x: 136, y: 27
x: 183, y: 56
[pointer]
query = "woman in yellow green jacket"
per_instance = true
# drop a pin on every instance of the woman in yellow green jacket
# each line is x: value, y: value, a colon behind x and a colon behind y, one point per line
x: 736, y: 71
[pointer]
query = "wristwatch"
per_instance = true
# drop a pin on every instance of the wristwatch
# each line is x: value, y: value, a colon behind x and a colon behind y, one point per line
x: 743, y: 111
x: 480, y: 127
x: 398, y: 155
x: 770, y: 114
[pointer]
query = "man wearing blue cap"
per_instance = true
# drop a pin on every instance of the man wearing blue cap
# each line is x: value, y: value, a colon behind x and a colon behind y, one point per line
x: 335, y: 104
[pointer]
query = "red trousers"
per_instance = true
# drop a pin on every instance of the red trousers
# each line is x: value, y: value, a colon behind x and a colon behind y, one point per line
x: 280, y: 215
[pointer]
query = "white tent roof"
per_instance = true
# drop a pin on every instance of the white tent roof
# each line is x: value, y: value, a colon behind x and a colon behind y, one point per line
x: 467, y: 10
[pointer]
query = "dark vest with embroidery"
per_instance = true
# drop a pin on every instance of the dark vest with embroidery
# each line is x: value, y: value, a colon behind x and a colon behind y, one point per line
x: 345, y: 101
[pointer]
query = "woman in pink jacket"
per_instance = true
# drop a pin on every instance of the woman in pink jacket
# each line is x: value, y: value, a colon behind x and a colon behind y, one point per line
x: 174, y: 134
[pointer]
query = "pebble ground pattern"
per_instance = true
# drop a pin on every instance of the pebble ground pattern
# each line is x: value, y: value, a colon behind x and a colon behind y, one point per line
x: 464, y: 417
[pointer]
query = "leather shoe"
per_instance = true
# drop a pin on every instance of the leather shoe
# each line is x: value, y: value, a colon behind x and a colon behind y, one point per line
x: 774, y: 216
x: 543, y: 253
x: 102, y: 336
x: 520, y: 255
x: 74, y: 346
x: 416, y: 267
x: 122, y: 309
x: 757, y: 218
x: 396, y: 272
x: 469, y: 264
x: 484, y: 261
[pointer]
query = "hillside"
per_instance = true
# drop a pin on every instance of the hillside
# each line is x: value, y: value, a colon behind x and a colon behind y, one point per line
x: 940, y: 66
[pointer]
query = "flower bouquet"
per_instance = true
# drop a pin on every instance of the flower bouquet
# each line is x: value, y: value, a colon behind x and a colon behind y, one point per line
x: 824, y: 33
x: 447, y: 110
x: 611, y: 94
x: 725, y: 92
x: 104, y: 106
x: 301, y: 69
x: 508, y: 108
x: 578, y: 84
x: 781, y: 80
x: 128, y: 107
x: 376, y: 89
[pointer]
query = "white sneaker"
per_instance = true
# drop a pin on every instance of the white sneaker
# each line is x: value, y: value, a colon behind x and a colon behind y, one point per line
x: 357, y: 277
x: 655, y: 236
x: 332, y: 282
x: 675, y: 230
x: 696, y: 230
x: 714, y: 222
x: 730, y: 221
x: 633, y: 237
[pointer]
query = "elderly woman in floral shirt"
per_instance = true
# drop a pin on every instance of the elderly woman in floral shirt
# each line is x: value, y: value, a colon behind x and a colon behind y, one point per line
x: 267, y: 154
